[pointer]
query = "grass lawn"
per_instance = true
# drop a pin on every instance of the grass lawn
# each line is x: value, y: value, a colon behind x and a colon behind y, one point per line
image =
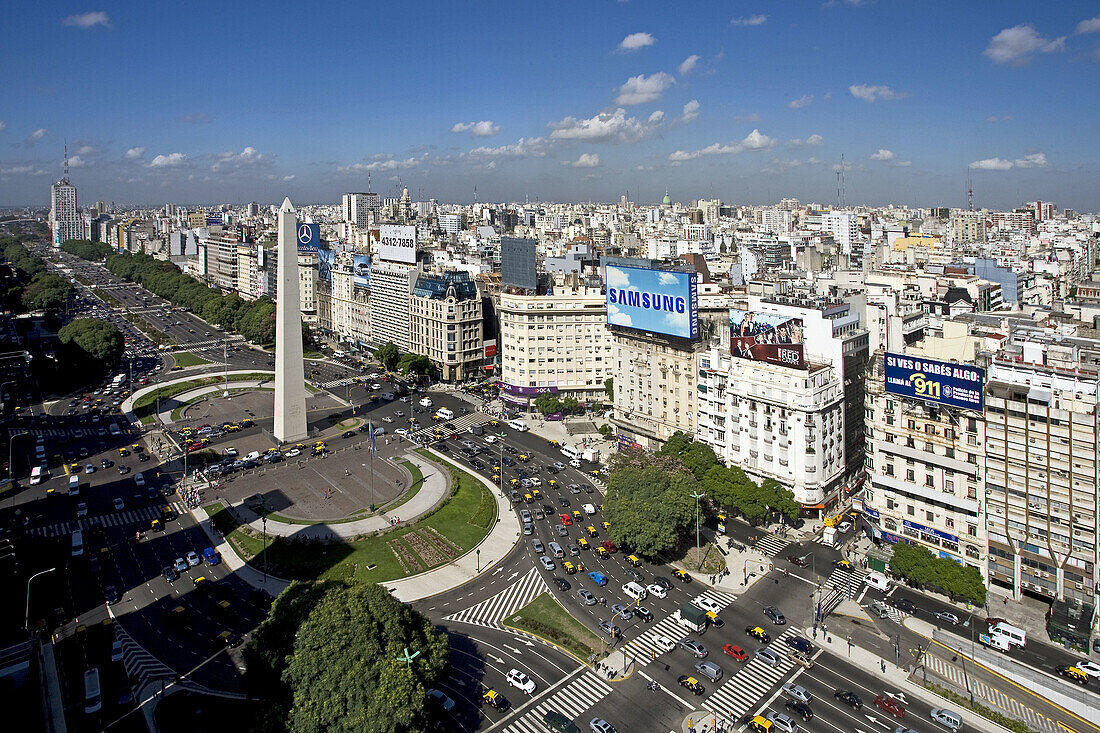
x: 462, y: 521
x: 545, y: 618
x: 187, y: 359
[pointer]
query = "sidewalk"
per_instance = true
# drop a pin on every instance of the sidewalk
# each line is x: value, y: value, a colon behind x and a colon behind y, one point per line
x: 257, y: 579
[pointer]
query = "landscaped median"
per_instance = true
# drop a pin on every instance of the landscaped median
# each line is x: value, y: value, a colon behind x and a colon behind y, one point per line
x: 187, y: 359
x: 545, y: 618
x: 145, y: 406
x: 453, y: 528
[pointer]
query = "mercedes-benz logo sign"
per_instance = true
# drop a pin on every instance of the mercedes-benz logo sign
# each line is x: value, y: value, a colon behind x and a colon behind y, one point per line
x: 305, y: 234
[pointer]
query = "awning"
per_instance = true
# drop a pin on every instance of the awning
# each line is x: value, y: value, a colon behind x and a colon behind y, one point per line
x: 1039, y: 394
x: 813, y: 506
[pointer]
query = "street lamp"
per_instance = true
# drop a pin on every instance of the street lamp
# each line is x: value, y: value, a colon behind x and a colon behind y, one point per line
x: 263, y: 519
x: 697, y: 496
x: 27, y: 618
x: 500, y: 439
x: 408, y: 658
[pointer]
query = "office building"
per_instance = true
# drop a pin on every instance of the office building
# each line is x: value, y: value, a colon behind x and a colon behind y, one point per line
x: 445, y: 324
x: 65, y: 220
x: 391, y: 285
x: 518, y: 268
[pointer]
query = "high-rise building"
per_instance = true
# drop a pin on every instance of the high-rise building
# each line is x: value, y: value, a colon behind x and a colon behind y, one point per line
x: 445, y: 324
x: 358, y: 207
x: 65, y: 220
x: 390, y: 288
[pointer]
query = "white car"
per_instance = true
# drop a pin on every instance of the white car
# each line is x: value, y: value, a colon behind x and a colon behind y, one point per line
x: 116, y: 651
x: 387, y: 418
x: 657, y: 590
x: 708, y: 605
x: 119, y: 504
x: 520, y: 681
x: 843, y: 527
x: 1092, y: 669
x: 293, y: 453
x: 401, y: 431
x: 81, y: 509
x: 664, y: 643
x: 798, y: 692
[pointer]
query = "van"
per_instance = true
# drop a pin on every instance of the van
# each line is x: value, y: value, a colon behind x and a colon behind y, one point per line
x: 995, y: 641
x: 555, y: 550
x: 139, y: 479
x: 878, y: 581
x: 518, y: 426
x: 570, y: 452
x: 40, y: 452
x: 589, y: 509
x: 878, y: 608
x: 93, y: 699
x: 74, y: 485
x: 947, y: 718
x: 634, y: 590
x: 37, y: 474
x: 253, y: 456
x: 477, y: 429
x: 445, y: 413
x: 1012, y: 634
x: 426, y: 402
x: 78, y: 543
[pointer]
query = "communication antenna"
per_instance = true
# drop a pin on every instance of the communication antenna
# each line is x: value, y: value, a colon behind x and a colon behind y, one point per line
x: 843, y: 192
x: 66, y: 159
x: 475, y: 195
x: 368, y: 183
x: 969, y: 191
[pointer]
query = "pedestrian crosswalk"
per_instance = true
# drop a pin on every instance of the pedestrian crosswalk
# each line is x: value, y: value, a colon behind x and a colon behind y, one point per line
x: 492, y: 611
x: 956, y: 676
x: 572, y: 699
x: 140, y: 517
x: 206, y: 344
x: 743, y: 689
x: 333, y: 383
x: 646, y: 649
x: 456, y: 425
x: 140, y: 665
x: 848, y: 582
x: 770, y: 545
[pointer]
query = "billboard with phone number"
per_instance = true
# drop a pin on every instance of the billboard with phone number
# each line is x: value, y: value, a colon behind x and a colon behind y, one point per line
x: 767, y: 337
x: 942, y: 382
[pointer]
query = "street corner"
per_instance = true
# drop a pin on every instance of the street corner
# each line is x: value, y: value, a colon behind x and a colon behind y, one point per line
x: 705, y: 721
x: 615, y: 667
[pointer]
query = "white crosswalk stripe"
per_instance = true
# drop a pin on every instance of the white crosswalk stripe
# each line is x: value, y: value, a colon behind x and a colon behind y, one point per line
x: 492, y: 611
x: 141, y: 666
x: 770, y: 545
x: 130, y: 516
x: 205, y: 344
x: 572, y: 700
x: 338, y: 382
x: 645, y: 649
x: 751, y: 682
x: 721, y: 597
x: 457, y: 425
x: 846, y: 581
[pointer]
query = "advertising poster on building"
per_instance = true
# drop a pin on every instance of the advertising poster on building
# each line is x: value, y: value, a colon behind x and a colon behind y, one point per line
x: 654, y: 301
x: 942, y: 382
x: 309, y: 237
x: 326, y: 258
x: 397, y: 243
x: 361, y: 265
x: 767, y: 337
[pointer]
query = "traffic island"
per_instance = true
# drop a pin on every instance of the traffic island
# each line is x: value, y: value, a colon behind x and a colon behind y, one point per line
x: 548, y: 620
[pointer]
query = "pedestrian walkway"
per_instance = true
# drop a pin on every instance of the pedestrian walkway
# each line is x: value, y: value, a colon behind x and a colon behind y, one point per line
x: 713, y: 595
x: 770, y: 545
x: 333, y: 383
x: 141, y: 666
x: 236, y: 339
x: 572, y: 699
x: 492, y: 611
x: 958, y: 678
x: 745, y: 688
x: 654, y: 640
x: 140, y: 517
x: 848, y: 582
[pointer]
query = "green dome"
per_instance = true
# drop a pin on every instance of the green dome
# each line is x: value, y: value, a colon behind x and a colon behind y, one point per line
x: 667, y: 200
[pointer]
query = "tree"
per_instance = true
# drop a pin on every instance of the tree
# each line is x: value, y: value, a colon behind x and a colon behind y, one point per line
x: 87, y: 249
x: 548, y: 404
x: 921, y: 567
x: 648, y: 505
x: 388, y: 354
x: 609, y: 387
x: 346, y: 671
x: 96, y: 341
x: 46, y: 292
x: 415, y: 363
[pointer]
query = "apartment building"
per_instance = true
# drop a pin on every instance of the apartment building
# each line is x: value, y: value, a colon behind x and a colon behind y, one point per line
x: 350, y: 302
x: 390, y: 287
x: 446, y: 325
x: 655, y: 387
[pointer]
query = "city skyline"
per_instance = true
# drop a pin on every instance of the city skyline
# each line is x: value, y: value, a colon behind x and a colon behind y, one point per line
x: 749, y: 103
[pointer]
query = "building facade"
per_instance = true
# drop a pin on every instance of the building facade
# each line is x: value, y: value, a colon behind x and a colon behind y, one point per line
x: 391, y: 287
x: 65, y: 220
x: 446, y: 324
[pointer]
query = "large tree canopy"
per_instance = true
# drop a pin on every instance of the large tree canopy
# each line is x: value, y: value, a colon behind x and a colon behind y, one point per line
x: 97, y: 341
x: 46, y: 292
x: 919, y: 565
x: 648, y: 502
x: 388, y: 354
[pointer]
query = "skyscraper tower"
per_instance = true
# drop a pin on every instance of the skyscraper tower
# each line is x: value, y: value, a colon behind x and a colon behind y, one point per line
x: 290, y: 390
x: 65, y: 219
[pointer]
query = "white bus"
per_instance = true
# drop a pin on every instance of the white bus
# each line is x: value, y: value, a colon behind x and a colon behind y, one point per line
x: 93, y: 699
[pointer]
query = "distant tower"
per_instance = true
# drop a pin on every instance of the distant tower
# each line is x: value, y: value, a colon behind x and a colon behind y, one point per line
x: 969, y: 191
x: 290, y: 390
x: 65, y: 221
x: 667, y: 200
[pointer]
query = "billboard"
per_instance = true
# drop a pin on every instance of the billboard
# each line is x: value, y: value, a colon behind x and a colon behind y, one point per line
x: 397, y: 243
x: 767, y: 337
x: 361, y: 267
x: 309, y: 237
x: 518, y: 263
x: 942, y: 382
x: 326, y: 258
x: 655, y: 301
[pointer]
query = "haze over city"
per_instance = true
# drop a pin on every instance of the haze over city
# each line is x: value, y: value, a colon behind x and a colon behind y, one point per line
x: 587, y: 100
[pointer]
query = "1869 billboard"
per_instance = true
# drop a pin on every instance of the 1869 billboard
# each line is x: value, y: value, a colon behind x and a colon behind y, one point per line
x: 767, y: 337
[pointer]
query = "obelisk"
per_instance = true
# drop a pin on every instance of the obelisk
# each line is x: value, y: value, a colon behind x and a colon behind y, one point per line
x: 290, y: 390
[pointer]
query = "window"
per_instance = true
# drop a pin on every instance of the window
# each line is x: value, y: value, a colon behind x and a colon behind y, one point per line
x: 909, y: 475
x: 911, y: 511
x: 929, y: 516
x: 929, y: 480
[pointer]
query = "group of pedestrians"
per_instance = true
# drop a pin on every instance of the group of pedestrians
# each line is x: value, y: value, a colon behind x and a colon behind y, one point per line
x: 719, y: 575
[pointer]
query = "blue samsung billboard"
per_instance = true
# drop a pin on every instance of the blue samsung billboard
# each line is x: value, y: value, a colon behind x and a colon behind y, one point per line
x: 655, y: 301
x: 942, y: 382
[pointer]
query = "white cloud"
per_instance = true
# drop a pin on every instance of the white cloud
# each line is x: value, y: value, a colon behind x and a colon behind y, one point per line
x: 168, y: 161
x: 755, y: 141
x: 780, y: 165
x: 869, y: 93
x: 3, y: 126
x: 691, y: 111
x: 288, y: 178
x: 485, y: 128
x: 86, y: 150
x: 667, y: 278
x: 617, y: 317
x: 87, y: 20
x: 884, y: 155
x: 531, y: 147
x: 1092, y: 25
x: 811, y: 142
x: 641, y: 88
x: 36, y: 136
x: 688, y: 64
x: 19, y: 170
x: 135, y: 153
x: 612, y: 127
x: 903, y: 164
x: 1014, y: 45
x: 758, y: 19
x: 803, y: 101
x: 77, y: 162
x: 587, y: 160
x: 386, y: 164
x: 635, y: 41
x: 247, y: 157
x: 1034, y: 160
x: 741, y: 119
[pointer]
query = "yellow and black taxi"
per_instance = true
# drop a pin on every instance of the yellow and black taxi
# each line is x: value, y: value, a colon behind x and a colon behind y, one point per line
x: 569, y: 567
x: 591, y: 531
x: 760, y: 724
x: 514, y: 483
x: 842, y: 565
x: 758, y: 633
x: 715, y: 620
x: 582, y: 543
x: 1073, y: 673
x: 682, y: 576
x: 634, y: 560
x: 494, y: 699
x: 691, y: 684
x: 602, y: 551
x: 606, y: 525
x: 523, y: 457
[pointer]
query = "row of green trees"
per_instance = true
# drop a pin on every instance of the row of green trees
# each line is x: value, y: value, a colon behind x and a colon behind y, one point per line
x: 87, y: 249
x: 649, y: 496
x: 391, y: 357
x: 917, y: 564
x: 335, y: 657
x: 549, y: 404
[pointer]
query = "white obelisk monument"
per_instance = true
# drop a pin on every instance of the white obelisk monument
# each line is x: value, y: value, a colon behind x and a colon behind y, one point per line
x: 290, y: 390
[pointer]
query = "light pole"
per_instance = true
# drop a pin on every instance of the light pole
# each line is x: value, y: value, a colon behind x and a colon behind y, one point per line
x: 477, y: 552
x: 408, y: 658
x: 263, y: 519
x: 697, y: 496
x: 27, y: 617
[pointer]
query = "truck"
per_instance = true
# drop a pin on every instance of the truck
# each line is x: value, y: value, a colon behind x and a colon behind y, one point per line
x: 828, y: 536
x: 995, y: 641
x: 692, y: 617
x: 591, y: 455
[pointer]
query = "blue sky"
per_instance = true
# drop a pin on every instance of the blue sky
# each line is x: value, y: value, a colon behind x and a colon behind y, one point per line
x: 746, y: 101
